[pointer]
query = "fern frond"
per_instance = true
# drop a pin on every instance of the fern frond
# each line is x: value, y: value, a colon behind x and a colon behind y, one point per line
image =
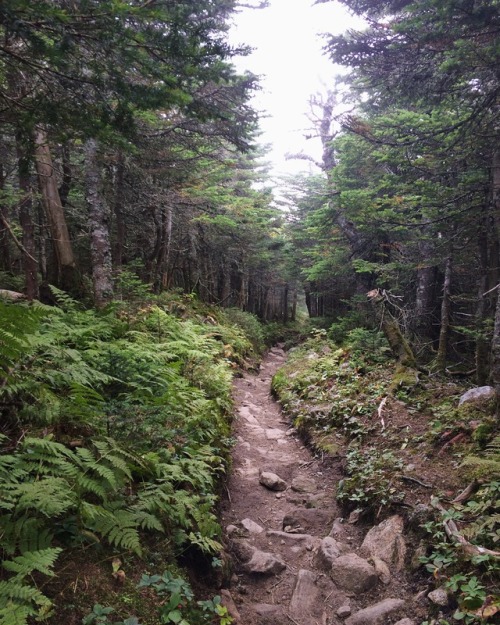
x: 493, y: 447
x: 42, y: 561
x: 118, y: 527
x: 49, y: 496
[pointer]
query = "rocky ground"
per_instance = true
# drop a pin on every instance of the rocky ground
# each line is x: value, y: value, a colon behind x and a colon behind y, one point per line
x: 294, y: 558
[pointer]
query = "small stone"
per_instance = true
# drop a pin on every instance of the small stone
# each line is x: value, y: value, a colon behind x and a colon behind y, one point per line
x: 251, y: 526
x: 265, y: 563
x: 302, y: 484
x: 273, y: 434
x: 354, y: 516
x: 272, y: 481
x: 382, y: 570
x: 231, y: 529
x: 439, y: 597
x: 405, y: 621
x: 278, y: 495
x: 376, y: 614
x: 265, y: 609
x: 344, y: 611
x: 328, y: 551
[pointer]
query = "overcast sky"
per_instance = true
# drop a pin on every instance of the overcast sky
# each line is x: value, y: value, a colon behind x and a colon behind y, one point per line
x: 287, y: 41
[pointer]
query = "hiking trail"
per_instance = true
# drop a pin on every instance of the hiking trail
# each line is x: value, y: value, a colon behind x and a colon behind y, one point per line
x: 294, y: 559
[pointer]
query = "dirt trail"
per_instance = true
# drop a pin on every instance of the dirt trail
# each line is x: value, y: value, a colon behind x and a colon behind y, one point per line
x: 283, y: 543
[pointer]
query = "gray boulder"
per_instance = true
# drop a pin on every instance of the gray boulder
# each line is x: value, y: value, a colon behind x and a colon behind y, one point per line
x: 385, y: 541
x: 353, y: 574
x: 478, y: 395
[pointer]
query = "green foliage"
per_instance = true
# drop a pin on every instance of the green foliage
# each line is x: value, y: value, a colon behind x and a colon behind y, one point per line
x: 161, y: 387
x: 371, y: 479
x: 99, y: 616
x: 178, y: 606
x: 473, y: 577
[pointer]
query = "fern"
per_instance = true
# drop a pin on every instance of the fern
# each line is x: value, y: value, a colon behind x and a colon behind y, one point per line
x: 42, y: 561
x: 19, y: 601
x: 118, y: 526
x: 493, y: 447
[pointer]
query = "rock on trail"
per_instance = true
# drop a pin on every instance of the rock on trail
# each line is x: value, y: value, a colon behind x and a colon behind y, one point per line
x: 294, y: 560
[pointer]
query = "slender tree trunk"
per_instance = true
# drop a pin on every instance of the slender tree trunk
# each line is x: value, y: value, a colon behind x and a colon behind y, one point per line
x: 285, y: 304
x: 445, y: 316
x: 482, y: 354
x: 5, y: 261
x: 53, y: 208
x: 495, y: 343
x: 26, y: 219
x: 119, y: 247
x: 100, y: 248
x: 294, y: 305
x: 424, y: 300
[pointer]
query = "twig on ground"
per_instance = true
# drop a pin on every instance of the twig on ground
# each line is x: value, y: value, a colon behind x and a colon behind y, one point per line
x: 455, y: 439
x: 408, y: 478
x: 292, y: 619
x: 228, y: 494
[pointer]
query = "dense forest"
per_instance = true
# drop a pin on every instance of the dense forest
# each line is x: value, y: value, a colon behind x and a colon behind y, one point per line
x: 144, y: 258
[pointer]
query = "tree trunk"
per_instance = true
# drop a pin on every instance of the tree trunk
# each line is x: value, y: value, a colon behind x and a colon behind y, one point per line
x: 100, y: 248
x: 119, y: 247
x: 495, y: 343
x: 49, y: 191
x: 445, y: 316
x: 26, y: 219
x: 482, y: 364
x: 5, y: 261
x: 424, y: 300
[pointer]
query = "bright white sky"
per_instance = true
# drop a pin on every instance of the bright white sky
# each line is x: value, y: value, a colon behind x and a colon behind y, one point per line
x: 288, y: 57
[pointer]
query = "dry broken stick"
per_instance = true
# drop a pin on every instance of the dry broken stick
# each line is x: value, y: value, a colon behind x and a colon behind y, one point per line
x: 467, y: 492
x: 451, y: 529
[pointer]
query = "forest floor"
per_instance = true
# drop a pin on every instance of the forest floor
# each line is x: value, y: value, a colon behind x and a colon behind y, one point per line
x: 284, y: 537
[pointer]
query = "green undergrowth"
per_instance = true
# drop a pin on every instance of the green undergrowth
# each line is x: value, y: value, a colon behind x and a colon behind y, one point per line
x: 115, y: 436
x: 399, y: 446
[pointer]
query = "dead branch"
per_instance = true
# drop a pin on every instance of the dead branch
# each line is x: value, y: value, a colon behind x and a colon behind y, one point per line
x: 451, y: 529
x: 466, y: 493
x: 17, y: 242
x: 455, y: 439
x: 408, y: 478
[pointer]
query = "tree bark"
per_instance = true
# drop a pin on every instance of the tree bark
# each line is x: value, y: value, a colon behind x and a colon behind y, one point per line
x: 26, y: 219
x: 66, y: 266
x: 119, y: 247
x: 482, y: 355
x: 100, y: 248
x: 445, y: 316
x: 5, y: 261
x: 495, y: 203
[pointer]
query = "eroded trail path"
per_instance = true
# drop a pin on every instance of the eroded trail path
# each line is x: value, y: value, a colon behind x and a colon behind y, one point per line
x: 285, y: 536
